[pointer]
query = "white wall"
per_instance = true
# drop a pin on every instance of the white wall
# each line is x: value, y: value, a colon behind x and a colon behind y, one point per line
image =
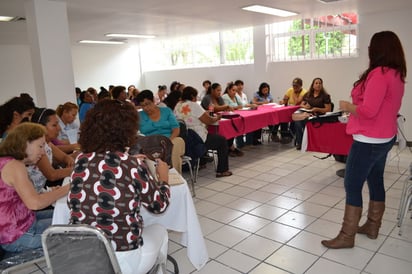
x: 104, y: 65
x: 15, y: 71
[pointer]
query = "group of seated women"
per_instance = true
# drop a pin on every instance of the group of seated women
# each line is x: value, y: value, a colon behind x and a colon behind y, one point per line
x: 102, y: 155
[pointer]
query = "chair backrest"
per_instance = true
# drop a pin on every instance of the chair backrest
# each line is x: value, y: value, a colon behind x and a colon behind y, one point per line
x: 78, y: 249
x: 183, y: 129
x: 195, y: 147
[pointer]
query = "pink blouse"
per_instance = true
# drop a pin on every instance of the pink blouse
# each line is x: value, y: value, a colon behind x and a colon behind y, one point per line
x: 16, y: 218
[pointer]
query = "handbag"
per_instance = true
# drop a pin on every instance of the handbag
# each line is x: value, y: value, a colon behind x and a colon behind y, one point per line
x: 154, y: 146
x: 318, y: 120
x: 231, y: 115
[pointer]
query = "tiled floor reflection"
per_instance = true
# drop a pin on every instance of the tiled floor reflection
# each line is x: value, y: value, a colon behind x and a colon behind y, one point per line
x: 270, y: 216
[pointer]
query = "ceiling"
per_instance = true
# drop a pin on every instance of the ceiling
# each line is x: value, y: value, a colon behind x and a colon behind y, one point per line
x: 91, y: 19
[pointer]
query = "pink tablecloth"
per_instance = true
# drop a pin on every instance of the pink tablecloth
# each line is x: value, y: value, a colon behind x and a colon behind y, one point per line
x: 328, y: 138
x: 251, y: 120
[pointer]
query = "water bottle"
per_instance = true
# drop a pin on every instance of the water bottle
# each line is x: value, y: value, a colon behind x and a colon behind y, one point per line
x: 211, y: 110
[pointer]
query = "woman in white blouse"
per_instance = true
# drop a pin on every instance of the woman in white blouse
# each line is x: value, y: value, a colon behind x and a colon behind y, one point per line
x: 197, y: 119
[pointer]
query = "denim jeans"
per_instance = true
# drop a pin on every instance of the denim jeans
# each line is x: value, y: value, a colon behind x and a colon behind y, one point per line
x: 366, y: 162
x: 299, y: 127
x: 32, y: 238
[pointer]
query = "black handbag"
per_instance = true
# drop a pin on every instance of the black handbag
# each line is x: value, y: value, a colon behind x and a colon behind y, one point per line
x: 318, y: 120
x: 154, y: 146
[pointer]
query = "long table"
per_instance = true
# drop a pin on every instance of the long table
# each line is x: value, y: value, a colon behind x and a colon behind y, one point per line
x: 251, y: 120
x: 180, y: 216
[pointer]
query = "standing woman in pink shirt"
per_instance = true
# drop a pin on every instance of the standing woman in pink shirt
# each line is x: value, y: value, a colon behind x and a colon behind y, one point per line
x: 376, y: 100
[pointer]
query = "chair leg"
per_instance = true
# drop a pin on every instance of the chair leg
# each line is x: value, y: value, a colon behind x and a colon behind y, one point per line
x: 175, y: 265
x: 405, y: 209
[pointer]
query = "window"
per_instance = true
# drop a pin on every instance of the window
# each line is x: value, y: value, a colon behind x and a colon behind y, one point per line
x: 324, y: 37
x: 213, y: 49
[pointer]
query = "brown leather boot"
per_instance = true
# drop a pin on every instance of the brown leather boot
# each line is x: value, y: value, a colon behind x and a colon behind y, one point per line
x: 346, y: 236
x: 372, y: 225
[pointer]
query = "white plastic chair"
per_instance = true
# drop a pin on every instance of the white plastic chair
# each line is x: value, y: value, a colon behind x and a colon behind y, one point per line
x: 78, y: 249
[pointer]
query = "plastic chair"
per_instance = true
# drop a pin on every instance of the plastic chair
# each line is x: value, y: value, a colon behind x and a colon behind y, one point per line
x: 194, y: 150
x: 21, y: 262
x: 194, y: 170
x: 78, y: 249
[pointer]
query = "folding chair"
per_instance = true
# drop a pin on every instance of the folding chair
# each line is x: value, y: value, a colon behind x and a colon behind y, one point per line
x: 78, y: 249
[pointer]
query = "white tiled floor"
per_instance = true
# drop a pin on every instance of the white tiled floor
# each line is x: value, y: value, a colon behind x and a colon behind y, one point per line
x: 270, y: 216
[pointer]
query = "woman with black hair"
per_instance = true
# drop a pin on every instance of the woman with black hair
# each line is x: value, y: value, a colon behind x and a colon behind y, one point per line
x: 44, y: 173
x: 197, y: 119
x: 376, y: 100
x: 15, y: 111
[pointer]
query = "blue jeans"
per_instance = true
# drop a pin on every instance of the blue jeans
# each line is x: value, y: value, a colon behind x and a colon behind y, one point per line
x: 32, y: 238
x: 366, y: 162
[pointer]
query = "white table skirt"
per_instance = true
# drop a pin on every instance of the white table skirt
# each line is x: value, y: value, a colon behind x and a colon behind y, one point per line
x: 180, y: 216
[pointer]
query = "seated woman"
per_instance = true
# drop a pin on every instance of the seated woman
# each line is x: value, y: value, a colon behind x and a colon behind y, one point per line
x: 20, y: 223
x: 161, y: 120
x: 261, y: 97
x: 13, y: 112
x: 69, y: 128
x: 54, y: 165
x: 232, y: 99
x: 213, y: 102
x: 197, y: 119
x: 105, y: 172
x: 161, y: 94
x: 318, y: 101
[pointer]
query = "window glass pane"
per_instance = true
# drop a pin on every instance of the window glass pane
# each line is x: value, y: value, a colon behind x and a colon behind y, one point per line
x: 331, y: 36
x: 212, y: 49
x: 238, y: 46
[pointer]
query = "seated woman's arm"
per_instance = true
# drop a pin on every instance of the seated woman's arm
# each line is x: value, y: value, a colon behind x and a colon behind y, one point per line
x: 51, y: 173
x: 208, y: 120
x: 15, y: 174
x: 175, y: 133
x: 326, y: 108
x: 150, y: 198
x: 68, y: 148
x: 61, y: 157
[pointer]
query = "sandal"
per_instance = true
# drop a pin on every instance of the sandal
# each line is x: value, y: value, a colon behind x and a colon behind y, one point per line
x: 223, y: 174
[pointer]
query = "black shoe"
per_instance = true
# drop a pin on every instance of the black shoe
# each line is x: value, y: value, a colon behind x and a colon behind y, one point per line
x: 257, y: 143
x: 285, y: 140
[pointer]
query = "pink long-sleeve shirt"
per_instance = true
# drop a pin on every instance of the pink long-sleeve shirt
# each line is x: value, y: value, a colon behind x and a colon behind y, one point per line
x: 377, y: 105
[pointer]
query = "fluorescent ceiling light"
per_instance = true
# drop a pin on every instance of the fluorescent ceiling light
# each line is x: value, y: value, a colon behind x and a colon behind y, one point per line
x: 101, y: 42
x: 268, y: 10
x: 6, y: 18
x: 124, y: 35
